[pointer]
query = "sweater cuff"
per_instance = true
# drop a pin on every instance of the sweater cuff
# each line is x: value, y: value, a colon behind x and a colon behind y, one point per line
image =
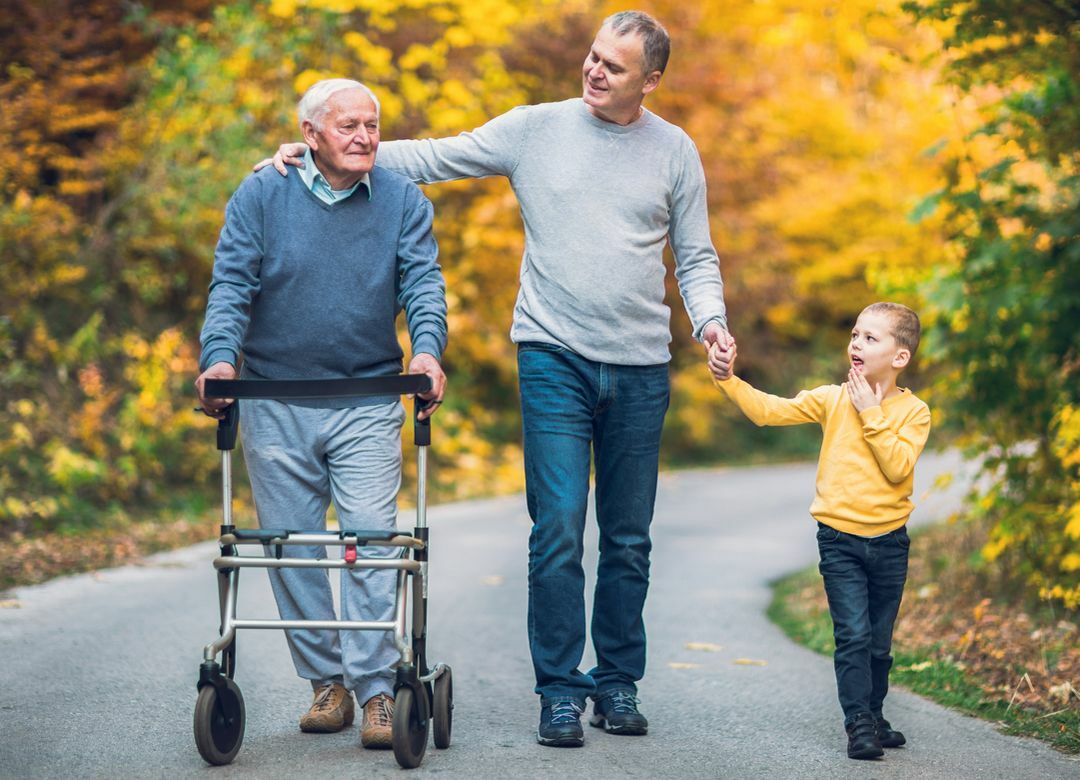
x: 218, y: 355
x: 428, y: 344
x: 721, y: 321
x: 873, y: 418
x: 725, y: 384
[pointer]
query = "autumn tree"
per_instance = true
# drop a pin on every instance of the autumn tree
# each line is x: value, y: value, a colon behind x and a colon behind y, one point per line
x: 1004, y: 298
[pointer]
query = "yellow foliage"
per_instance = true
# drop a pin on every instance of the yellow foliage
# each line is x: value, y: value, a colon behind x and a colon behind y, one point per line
x: 283, y: 8
x: 70, y: 469
x: 1072, y: 522
x: 995, y: 547
x: 308, y: 78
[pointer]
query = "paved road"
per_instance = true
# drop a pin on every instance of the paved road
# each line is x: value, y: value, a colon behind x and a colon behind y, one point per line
x: 98, y: 671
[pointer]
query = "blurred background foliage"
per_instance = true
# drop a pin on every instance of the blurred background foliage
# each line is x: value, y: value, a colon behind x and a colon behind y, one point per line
x: 924, y: 152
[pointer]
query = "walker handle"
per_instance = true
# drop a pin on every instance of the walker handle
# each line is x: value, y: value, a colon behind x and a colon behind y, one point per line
x: 228, y: 426
x: 421, y: 428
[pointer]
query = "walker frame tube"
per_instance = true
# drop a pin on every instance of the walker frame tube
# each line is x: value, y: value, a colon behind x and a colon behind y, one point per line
x: 230, y: 562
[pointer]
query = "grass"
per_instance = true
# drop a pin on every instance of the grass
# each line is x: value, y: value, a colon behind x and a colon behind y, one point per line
x: 931, y: 670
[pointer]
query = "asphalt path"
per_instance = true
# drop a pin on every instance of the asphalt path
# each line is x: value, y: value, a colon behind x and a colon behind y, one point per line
x: 98, y: 673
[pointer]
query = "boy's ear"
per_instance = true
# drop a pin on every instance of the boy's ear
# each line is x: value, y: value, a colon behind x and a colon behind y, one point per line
x: 901, y: 358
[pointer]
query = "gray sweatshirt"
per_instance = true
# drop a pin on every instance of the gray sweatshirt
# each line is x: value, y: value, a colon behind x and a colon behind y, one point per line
x: 599, y: 201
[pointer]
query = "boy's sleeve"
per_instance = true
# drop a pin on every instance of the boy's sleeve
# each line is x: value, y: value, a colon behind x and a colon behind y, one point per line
x: 764, y: 409
x: 896, y: 451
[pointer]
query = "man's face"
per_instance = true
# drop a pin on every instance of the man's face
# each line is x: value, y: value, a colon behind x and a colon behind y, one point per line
x: 873, y: 350
x: 613, y: 76
x: 345, y: 147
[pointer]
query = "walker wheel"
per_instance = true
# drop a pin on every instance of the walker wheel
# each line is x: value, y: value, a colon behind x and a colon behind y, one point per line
x: 411, y: 727
x: 442, y: 709
x: 219, y: 722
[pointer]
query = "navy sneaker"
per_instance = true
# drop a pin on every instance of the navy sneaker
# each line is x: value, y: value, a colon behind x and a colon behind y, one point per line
x: 863, y: 742
x: 616, y: 712
x: 560, y: 724
x: 887, y: 735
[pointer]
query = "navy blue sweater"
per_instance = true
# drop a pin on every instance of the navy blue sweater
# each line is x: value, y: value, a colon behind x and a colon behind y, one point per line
x: 304, y: 289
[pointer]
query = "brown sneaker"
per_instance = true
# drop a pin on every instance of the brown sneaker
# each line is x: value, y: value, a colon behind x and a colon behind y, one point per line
x: 376, y: 729
x: 332, y: 710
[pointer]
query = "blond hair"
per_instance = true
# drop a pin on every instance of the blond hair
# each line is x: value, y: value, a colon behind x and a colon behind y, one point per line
x: 905, y: 323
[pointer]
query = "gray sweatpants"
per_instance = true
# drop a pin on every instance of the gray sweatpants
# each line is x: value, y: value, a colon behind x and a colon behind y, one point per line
x: 298, y: 460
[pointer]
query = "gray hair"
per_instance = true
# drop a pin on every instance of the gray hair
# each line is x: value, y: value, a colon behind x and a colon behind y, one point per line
x: 655, y: 40
x: 312, y: 106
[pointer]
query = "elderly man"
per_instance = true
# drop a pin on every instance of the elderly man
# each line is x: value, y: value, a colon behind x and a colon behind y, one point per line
x: 603, y: 184
x: 309, y: 275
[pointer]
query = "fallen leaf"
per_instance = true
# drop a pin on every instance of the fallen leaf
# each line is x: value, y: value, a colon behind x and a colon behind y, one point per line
x: 705, y: 647
x: 493, y: 579
x: 10, y: 604
x: 1063, y: 692
x: 928, y: 591
x: 682, y: 665
x: 750, y: 662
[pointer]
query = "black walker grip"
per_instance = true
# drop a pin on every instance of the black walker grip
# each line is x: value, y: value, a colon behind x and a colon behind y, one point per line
x: 228, y: 426
x: 421, y: 428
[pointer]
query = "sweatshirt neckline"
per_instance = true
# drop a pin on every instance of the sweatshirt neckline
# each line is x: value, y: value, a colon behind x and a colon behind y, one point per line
x: 612, y: 127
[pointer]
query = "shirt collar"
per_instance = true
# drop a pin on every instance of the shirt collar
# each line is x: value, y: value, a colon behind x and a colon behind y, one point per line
x: 317, y: 183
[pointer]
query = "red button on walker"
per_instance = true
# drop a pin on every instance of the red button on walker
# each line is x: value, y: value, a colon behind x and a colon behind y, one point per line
x: 350, y: 553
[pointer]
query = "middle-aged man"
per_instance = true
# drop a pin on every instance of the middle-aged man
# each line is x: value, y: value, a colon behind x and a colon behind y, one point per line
x: 602, y: 183
x: 309, y: 275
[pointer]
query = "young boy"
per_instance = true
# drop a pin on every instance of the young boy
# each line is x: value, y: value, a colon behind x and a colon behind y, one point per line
x: 873, y: 434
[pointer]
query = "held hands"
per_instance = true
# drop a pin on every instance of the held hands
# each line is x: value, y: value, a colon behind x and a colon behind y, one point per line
x: 722, y: 357
x: 287, y: 154
x: 858, y: 390
x: 424, y: 363
x: 214, y: 407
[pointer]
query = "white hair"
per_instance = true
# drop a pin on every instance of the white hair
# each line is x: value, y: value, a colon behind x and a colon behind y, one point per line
x: 312, y: 106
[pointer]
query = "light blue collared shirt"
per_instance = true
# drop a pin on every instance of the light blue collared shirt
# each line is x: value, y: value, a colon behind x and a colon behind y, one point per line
x: 320, y: 187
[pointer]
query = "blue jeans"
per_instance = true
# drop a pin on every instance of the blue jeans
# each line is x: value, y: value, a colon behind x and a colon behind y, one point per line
x: 864, y: 582
x: 570, y: 405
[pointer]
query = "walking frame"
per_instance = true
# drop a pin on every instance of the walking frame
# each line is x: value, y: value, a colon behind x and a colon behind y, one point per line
x: 423, y: 697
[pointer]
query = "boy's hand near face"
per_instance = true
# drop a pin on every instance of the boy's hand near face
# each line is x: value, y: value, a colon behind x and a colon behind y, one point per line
x: 722, y: 361
x: 858, y: 390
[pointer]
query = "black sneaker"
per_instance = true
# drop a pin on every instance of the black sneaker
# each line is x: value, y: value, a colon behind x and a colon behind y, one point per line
x: 616, y: 712
x: 863, y: 740
x: 887, y: 735
x: 560, y: 724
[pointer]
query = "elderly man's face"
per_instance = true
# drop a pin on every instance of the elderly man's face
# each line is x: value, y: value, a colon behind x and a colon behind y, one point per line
x: 345, y: 146
x: 613, y: 76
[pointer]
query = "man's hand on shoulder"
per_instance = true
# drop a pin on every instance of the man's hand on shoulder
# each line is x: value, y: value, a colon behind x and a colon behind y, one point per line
x: 287, y: 154
x: 423, y: 363
x: 214, y: 407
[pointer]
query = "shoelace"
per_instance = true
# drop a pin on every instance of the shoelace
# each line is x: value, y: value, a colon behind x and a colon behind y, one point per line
x: 322, y: 699
x: 623, y: 701
x: 383, y: 714
x: 564, y: 712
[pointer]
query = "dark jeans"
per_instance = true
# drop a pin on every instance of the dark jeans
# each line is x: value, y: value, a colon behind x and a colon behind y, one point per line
x: 864, y: 581
x: 569, y: 405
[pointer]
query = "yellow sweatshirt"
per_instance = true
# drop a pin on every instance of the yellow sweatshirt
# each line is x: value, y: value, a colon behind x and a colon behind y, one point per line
x: 867, y: 462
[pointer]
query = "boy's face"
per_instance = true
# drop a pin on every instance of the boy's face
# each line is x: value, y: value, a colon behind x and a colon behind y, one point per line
x: 873, y: 350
